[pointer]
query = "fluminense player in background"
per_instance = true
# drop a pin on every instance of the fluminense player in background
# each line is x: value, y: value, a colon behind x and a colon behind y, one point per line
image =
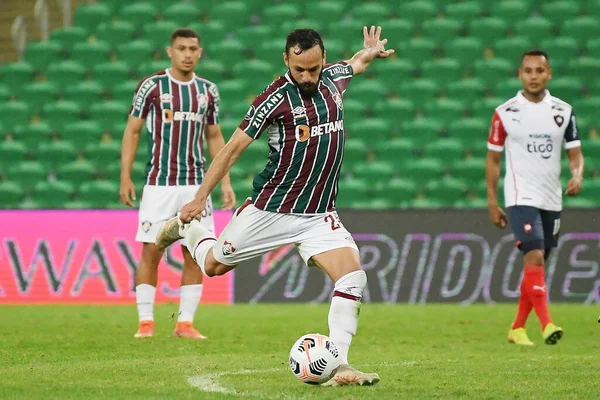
x: 293, y: 201
x: 533, y: 127
x: 181, y: 111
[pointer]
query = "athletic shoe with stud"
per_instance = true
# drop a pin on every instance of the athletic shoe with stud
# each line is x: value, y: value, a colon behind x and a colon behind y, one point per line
x: 348, y: 376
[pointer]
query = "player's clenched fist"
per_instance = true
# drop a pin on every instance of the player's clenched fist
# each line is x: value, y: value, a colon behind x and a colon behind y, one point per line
x: 191, y: 210
x: 573, y: 187
x: 498, y: 216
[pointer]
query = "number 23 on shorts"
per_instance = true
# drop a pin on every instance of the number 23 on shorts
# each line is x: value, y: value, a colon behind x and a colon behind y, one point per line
x: 334, y: 220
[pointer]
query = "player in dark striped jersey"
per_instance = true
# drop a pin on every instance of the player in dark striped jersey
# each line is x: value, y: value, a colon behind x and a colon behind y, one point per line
x: 302, y: 115
x: 181, y: 111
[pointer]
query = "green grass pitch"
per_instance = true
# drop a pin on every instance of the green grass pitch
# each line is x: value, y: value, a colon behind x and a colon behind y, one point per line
x: 420, y: 352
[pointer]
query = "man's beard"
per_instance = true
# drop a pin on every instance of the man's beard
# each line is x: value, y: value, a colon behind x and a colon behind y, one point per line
x: 307, y: 89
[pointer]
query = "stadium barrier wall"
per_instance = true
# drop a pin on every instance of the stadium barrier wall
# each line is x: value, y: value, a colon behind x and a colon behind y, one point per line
x: 86, y: 257
x: 437, y: 256
x: 410, y: 257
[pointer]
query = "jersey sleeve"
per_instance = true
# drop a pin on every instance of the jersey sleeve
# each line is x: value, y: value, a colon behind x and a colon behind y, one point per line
x: 212, y: 111
x: 497, y: 135
x: 142, y: 99
x: 340, y: 74
x: 262, y: 112
x: 572, y: 133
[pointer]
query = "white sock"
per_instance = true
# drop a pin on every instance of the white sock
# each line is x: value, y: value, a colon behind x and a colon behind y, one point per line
x: 144, y: 295
x: 198, y: 241
x: 189, y: 298
x: 345, y: 307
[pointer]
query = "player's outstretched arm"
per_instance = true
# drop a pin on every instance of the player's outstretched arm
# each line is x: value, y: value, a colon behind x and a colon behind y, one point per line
x: 215, y: 143
x: 373, y: 48
x: 217, y: 170
x: 576, y: 166
x: 492, y: 176
x: 131, y: 139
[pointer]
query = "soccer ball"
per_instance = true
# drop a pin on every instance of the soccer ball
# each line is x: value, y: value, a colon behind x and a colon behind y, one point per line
x: 314, y: 358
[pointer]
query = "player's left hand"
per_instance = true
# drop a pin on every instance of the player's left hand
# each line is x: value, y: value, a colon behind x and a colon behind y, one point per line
x: 373, y: 43
x: 192, y: 209
x: 573, y: 187
x: 228, y: 197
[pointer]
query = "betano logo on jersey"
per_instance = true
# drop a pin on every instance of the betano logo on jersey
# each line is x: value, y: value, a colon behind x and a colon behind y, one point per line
x: 170, y: 116
x: 543, y: 147
x: 305, y: 132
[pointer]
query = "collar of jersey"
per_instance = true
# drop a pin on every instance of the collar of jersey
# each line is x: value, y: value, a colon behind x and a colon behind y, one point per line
x: 168, y: 71
x: 523, y: 100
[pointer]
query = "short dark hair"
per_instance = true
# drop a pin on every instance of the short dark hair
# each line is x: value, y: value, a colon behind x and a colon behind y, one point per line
x: 535, y: 52
x: 305, y: 39
x: 185, y: 33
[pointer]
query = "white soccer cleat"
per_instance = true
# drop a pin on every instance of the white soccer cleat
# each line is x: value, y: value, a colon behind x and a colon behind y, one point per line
x: 173, y: 230
x: 348, y: 376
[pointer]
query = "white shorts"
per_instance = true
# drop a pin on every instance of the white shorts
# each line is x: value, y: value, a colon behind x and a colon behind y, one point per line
x: 161, y: 203
x: 253, y: 232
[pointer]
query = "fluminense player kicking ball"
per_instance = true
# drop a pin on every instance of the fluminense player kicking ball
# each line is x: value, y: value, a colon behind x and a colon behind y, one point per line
x: 293, y: 200
x: 533, y: 126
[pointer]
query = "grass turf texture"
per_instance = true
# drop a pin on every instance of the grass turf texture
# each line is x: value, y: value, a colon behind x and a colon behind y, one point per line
x: 432, y: 351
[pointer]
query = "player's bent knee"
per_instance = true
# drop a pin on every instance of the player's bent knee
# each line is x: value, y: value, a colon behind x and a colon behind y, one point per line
x: 151, y: 255
x: 535, y: 257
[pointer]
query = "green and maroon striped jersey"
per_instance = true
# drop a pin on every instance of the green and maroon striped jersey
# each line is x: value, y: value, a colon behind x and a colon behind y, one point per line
x: 306, y: 143
x: 176, y: 115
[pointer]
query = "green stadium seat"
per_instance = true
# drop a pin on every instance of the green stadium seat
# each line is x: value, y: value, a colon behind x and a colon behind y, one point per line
x: 109, y: 112
x: 61, y: 113
x: 395, y: 110
x: 469, y: 130
x: 54, y: 194
x: 395, y: 69
x: 593, y: 47
x: 488, y: 30
x: 371, y: 13
x: 442, y: 29
x: 471, y: 170
x: 349, y: 190
x: 36, y: 95
x: 559, y: 11
x: 422, y: 170
x: 159, y: 33
x: 139, y: 14
x: 368, y: 91
x: 32, y: 134
x: 236, y: 13
x: 442, y: 70
x: 151, y: 67
x: 316, y: 24
x: 82, y: 133
x: 419, y: 90
x: 495, y: 70
x: 231, y: 51
x: 399, y: 192
x: 135, y: 53
x: 124, y: 91
x: 41, y: 54
x: 14, y: 113
x: 279, y: 12
x: 56, y: 153
x: 15, y: 75
x: 465, y: 11
x: 111, y: 74
x: 588, y: 106
x: 484, y: 108
x: 422, y: 129
x: 348, y: 30
x: 12, y: 151
x: 586, y: 68
x: 252, y: 36
x: 27, y: 173
x: 394, y: 151
x: 398, y: 28
x: 464, y: 50
x: 103, y: 153
x: 354, y: 111
x: 430, y: 204
x: 77, y: 172
x: 536, y: 29
x: 371, y: 129
x: 355, y: 151
x: 447, y: 149
x: 373, y: 172
x: 232, y: 90
x: 335, y: 50
x: 115, y: 32
x: 417, y: 11
x: 89, y: 16
x: 68, y: 37
x: 560, y: 48
x: 328, y: 11
x: 512, y: 49
x: 63, y: 73
x: 210, y: 31
x: 84, y: 93
x: 582, y: 28
x: 471, y: 203
x: 567, y: 88
x: 512, y: 10
x: 466, y: 89
x: 508, y: 88
x: 446, y: 110
x: 90, y: 53
x: 446, y: 190
x: 256, y: 72
x: 417, y: 50
x: 112, y: 171
x: 182, y: 14
x: 11, y: 194
x: 5, y: 93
